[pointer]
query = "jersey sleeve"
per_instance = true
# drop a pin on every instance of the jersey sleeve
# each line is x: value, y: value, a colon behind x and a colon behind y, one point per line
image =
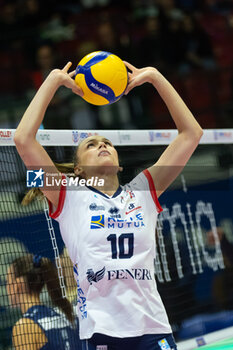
x: 54, y: 213
x: 144, y: 182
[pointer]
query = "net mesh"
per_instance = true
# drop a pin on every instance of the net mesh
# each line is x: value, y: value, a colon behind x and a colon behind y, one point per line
x: 194, y: 264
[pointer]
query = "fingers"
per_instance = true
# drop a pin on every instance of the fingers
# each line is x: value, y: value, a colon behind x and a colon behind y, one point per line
x: 72, y: 74
x: 130, y: 86
x: 67, y: 67
x: 130, y: 66
x: 77, y: 90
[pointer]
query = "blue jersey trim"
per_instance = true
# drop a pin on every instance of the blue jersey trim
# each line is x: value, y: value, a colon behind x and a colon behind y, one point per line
x: 118, y: 191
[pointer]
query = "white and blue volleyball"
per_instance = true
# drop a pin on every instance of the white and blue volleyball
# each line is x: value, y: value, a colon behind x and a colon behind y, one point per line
x: 102, y: 76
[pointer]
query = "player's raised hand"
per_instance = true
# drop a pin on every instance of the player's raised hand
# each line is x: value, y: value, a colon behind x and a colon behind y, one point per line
x: 138, y: 76
x: 65, y: 78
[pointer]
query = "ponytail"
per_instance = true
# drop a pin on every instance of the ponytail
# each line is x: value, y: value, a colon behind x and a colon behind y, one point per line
x: 50, y: 276
x: 39, y: 271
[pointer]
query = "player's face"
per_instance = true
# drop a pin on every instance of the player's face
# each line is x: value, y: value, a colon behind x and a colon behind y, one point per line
x: 96, y: 152
x: 11, y: 287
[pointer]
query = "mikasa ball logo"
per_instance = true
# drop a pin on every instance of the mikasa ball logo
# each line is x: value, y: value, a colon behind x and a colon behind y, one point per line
x: 96, y: 87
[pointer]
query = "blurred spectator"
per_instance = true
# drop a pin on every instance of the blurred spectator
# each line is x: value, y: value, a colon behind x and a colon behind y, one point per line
x: 196, y: 46
x: 31, y: 15
x: 170, y: 18
x: 110, y: 40
x: 59, y: 112
x: 45, y: 61
x: 85, y: 48
x: 11, y: 36
x: 187, y: 5
x: 56, y: 30
x: 151, y: 47
x: 92, y: 3
x: 215, y: 6
x: 168, y: 11
x: 172, y: 50
x: 143, y: 32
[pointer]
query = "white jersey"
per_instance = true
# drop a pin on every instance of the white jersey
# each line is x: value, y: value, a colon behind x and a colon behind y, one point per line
x: 111, y: 241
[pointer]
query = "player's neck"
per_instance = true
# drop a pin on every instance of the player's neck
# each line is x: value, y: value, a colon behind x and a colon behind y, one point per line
x: 109, y: 185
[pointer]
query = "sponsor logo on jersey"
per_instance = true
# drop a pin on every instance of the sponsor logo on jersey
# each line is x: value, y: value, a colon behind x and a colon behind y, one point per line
x: 121, y: 274
x: 101, y: 347
x: 97, y: 221
x: 130, y: 193
x: 95, y: 207
x: 135, y: 274
x: 35, y: 178
x: 127, y: 195
x: 100, y: 221
x: 81, y: 302
x: 118, y: 223
x: 164, y: 344
x: 95, y: 276
x: 114, y: 212
x: 132, y: 208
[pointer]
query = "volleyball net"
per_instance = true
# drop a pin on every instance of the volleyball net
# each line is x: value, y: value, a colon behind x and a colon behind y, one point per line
x: 194, y: 251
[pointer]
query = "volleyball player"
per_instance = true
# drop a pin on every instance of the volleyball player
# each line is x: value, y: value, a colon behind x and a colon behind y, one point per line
x: 110, y: 231
x: 40, y: 327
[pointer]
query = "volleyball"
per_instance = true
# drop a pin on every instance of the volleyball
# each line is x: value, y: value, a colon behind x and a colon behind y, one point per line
x: 102, y: 76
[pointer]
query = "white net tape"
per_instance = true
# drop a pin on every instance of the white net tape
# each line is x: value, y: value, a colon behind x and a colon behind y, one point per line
x: 118, y: 137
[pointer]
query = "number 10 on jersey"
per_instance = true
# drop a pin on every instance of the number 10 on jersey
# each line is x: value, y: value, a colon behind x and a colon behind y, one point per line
x: 122, y: 246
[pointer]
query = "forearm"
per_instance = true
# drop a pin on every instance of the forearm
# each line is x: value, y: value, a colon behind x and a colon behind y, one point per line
x: 35, y: 112
x: 182, y: 116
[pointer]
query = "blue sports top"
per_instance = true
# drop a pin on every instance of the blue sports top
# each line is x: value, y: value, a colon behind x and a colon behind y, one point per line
x: 59, y: 331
